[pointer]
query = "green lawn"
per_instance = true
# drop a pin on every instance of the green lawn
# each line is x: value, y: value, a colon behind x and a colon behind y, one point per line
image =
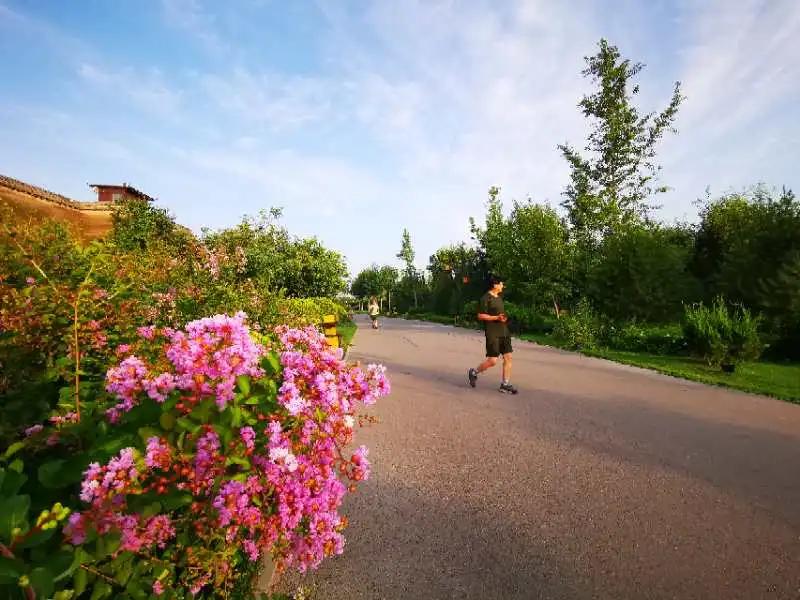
x: 781, y: 380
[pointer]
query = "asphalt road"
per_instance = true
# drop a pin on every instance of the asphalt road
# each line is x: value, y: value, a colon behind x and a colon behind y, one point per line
x: 597, y: 481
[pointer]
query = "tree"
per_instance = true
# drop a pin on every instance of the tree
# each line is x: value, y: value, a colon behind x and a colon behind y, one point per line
x: 457, y: 274
x: 746, y: 249
x: 388, y: 280
x: 406, y: 254
x: 375, y: 281
x: 138, y: 225
x: 613, y: 184
x: 278, y: 262
x: 642, y: 272
x: 529, y: 249
x: 367, y: 283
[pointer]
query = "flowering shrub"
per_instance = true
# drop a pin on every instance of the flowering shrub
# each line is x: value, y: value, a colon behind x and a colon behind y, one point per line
x: 234, y: 450
x: 139, y: 458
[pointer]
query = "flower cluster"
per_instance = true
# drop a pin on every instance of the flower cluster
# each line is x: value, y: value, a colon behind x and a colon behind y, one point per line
x: 270, y: 483
x: 205, y: 360
x: 106, y: 489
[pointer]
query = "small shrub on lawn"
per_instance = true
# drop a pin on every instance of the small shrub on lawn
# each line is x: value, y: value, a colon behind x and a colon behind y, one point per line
x: 722, y: 336
x: 653, y: 339
x: 579, y: 330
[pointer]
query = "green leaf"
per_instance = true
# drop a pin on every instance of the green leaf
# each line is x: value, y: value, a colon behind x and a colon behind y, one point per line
x: 17, y: 466
x: 80, y: 580
x: 151, y: 510
x: 13, y: 514
x: 10, y: 569
x: 42, y: 581
x: 37, y: 538
x: 237, y: 460
x: 147, y: 432
x: 188, y: 425
x: 254, y: 399
x: 101, y: 590
x: 167, y: 421
x: 243, y: 381
x: 135, y: 589
x: 236, y: 416
x: 271, y: 364
x: 175, y: 499
x: 63, y: 564
x: 13, y: 449
x: 49, y: 473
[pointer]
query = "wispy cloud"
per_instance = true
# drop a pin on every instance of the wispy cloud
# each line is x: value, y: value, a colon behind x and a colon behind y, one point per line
x: 402, y: 114
x: 147, y: 90
x: 196, y: 20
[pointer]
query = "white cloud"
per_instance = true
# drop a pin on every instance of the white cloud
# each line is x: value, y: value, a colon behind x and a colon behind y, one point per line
x: 147, y: 90
x: 196, y: 20
x: 411, y: 110
x: 272, y: 99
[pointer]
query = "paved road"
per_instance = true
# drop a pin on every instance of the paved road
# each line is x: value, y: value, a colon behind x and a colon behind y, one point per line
x: 597, y: 481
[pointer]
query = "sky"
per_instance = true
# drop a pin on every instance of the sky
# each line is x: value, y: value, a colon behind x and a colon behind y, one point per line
x: 363, y: 118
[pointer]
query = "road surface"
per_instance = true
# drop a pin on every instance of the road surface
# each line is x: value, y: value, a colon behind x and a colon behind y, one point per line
x: 597, y: 481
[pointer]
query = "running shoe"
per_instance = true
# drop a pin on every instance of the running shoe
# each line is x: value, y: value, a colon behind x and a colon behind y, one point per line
x: 507, y: 388
x: 473, y: 377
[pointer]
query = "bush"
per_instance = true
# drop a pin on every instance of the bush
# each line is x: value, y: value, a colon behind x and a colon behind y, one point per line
x: 133, y: 452
x: 579, y: 330
x: 722, y: 336
x: 209, y: 451
x: 300, y: 312
x: 523, y: 319
x: 654, y: 339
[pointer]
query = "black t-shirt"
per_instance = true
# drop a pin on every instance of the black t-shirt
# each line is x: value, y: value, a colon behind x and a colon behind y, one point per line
x: 493, y: 305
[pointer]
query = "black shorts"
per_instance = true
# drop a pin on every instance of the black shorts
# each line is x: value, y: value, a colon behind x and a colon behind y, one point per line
x: 495, y: 346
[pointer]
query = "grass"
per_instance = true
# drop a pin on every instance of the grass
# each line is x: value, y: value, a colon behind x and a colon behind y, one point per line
x: 780, y: 380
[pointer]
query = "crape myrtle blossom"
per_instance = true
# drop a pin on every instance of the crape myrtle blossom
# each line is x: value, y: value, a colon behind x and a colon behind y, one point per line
x: 205, y: 360
x: 270, y: 485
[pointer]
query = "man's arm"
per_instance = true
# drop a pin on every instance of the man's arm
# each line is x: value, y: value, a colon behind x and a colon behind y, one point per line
x: 487, y: 317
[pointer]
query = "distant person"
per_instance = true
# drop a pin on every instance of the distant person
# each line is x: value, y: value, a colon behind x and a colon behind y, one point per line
x: 498, y: 338
x: 373, y: 309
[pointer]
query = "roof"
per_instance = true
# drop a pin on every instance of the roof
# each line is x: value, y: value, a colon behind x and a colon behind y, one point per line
x: 129, y: 190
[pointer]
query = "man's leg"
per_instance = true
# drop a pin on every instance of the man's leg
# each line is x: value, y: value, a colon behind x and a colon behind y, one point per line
x: 507, y: 359
x: 487, y: 364
x: 492, y: 352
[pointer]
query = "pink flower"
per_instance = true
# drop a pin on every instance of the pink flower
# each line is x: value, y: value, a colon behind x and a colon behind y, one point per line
x: 251, y: 549
x: 158, y: 588
x: 158, y: 454
x: 30, y: 280
x: 33, y: 430
x: 248, y: 437
x: 147, y: 332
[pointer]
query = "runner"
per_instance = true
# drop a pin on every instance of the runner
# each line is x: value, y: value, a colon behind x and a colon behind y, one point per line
x: 373, y: 309
x: 498, y: 338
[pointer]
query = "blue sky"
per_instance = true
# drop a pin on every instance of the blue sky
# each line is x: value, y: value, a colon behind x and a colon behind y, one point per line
x: 361, y: 118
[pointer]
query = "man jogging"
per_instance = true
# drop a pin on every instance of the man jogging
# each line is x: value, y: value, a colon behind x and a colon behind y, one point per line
x: 498, y: 338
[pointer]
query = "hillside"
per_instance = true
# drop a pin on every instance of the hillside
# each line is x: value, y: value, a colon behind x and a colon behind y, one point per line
x: 90, y: 219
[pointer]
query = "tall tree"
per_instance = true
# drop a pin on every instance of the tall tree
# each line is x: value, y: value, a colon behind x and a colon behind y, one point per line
x: 613, y: 183
x: 407, y: 255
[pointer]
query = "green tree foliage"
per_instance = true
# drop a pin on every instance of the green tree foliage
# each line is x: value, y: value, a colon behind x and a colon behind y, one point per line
x: 410, y: 280
x: 457, y: 275
x: 367, y: 283
x: 138, y: 225
x: 380, y: 282
x: 747, y: 250
x: 612, y: 183
x: 530, y: 249
x: 641, y: 272
x: 264, y: 252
